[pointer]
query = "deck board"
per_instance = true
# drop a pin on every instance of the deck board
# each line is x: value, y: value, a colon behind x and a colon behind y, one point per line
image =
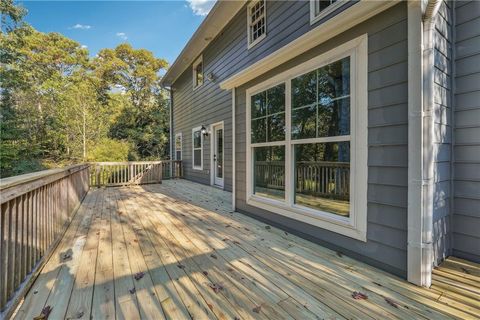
x: 198, y: 259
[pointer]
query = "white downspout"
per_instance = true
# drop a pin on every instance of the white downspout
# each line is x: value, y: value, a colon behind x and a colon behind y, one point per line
x: 233, y: 150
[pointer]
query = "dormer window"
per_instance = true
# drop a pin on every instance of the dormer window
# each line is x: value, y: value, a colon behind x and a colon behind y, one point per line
x: 256, y: 22
x: 321, y: 8
x: 198, y: 72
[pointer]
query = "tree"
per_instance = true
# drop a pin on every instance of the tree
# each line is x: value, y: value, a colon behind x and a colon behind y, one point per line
x: 11, y: 15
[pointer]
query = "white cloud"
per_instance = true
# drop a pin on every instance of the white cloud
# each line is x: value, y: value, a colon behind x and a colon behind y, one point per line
x: 81, y: 26
x: 122, y: 35
x: 201, y: 7
x: 84, y: 46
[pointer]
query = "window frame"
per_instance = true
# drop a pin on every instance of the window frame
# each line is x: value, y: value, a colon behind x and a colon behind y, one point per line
x: 314, y: 18
x: 195, y: 74
x: 355, y: 225
x: 201, y: 148
x: 179, y: 134
x: 251, y: 44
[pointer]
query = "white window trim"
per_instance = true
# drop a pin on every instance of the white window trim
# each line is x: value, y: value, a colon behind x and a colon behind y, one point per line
x: 251, y: 44
x: 193, y: 149
x: 181, y: 145
x: 315, y: 18
x: 194, y: 70
x: 354, y: 226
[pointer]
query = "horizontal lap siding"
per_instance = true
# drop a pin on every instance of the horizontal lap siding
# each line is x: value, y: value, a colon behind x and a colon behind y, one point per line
x: 442, y: 110
x: 387, y: 137
x: 466, y: 212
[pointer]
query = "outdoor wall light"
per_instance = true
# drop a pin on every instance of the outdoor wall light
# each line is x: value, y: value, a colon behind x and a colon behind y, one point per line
x: 204, y: 131
x: 211, y: 76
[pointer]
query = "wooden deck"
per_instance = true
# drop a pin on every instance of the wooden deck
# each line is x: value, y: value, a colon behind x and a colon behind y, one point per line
x: 177, y: 251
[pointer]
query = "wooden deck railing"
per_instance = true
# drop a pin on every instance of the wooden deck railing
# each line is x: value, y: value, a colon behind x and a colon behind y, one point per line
x: 128, y: 173
x: 35, y: 210
x: 319, y: 178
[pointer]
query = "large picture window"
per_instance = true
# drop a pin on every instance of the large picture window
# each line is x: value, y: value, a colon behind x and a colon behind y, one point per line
x: 197, y: 149
x: 306, y: 141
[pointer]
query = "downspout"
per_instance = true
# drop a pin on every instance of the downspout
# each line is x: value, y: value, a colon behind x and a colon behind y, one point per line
x: 233, y: 150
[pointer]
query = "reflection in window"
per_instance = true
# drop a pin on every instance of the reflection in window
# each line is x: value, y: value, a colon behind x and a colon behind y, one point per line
x: 269, y: 172
x: 178, y: 146
x: 268, y: 115
x: 322, y: 176
x: 321, y: 102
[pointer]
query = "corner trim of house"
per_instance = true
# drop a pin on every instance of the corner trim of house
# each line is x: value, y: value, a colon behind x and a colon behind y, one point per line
x: 233, y: 151
x: 345, y: 20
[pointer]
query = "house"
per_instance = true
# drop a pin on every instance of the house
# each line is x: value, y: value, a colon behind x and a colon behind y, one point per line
x: 354, y: 124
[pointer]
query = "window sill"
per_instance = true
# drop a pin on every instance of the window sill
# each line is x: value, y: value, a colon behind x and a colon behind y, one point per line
x: 314, y: 19
x: 258, y: 40
x: 197, y: 168
x: 323, y: 220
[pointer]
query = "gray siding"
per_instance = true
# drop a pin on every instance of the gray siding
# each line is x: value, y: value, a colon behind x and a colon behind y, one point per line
x: 226, y: 55
x: 387, y: 139
x: 466, y: 213
x: 442, y: 139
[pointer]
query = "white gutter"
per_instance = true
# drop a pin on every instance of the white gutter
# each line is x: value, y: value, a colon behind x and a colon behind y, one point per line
x: 420, y: 141
x: 233, y: 150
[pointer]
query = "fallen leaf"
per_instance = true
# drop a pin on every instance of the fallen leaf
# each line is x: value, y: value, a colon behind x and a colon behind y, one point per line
x: 286, y: 233
x: 139, y: 275
x: 205, y: 273
x: 339, y: 254
x: 213, y: 256
x: 132, y: 291
x: 216, y: 287
x: 257, y: 309
x: 236, y: 242
x: 236, y: 318
x: 391, y: 302
x: 181, y: 266
x: 66, y: 256
x: 268, y: 227
x: 359, y: 296
x: 210, y: 306
x: 44, y: 314
x: 230, y: 269
x: 246, y: 229
x: 225, y: 239
x: 465, y: 271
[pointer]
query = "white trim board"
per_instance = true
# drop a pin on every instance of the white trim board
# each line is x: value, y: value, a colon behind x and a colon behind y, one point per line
x: 346, y: 19
x: 354, y: 226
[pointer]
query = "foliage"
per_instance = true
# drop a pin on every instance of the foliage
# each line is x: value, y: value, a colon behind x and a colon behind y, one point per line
x: 58, y: 105
x: 110, y: 150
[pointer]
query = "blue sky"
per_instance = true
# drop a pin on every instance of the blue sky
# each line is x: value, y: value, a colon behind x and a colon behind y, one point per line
x: 163, y: 27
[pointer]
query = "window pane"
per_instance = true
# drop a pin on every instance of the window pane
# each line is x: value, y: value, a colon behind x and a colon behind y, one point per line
x: 259, y: 130
x: 197, y: 158
x: 304, y: 90
x: 334, y: 80
x: 178, y: 155
x: 259, y: 108
x: 199, y: 74
x: 269, y: 172
x: 276, y: 99
x: 334, y: 118
x: 197, y: 139
x: 321, y: 102
x: 322, y: 176
x: 276, y: 127
x: 304, y: 122
x: 178, y: 142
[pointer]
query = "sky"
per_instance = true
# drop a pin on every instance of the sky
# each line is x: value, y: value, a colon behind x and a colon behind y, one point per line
x: 163, y: 27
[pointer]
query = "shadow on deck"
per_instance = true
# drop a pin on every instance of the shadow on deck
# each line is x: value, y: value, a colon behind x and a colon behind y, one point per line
x: 176, y: 250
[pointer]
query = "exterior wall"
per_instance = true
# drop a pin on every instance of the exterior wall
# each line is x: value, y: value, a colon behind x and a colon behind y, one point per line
x: 387, y: 141
x: 226, y: 55
x: 466, y: 213
x: 442, y: 139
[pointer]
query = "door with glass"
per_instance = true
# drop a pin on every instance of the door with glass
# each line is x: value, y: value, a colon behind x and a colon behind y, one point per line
x: 218, y: 155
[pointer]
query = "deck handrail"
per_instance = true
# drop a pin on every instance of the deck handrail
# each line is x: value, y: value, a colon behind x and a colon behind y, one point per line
x: 36, y: 208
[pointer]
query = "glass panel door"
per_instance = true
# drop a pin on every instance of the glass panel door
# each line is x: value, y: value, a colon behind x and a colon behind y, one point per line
x: 218, y: 155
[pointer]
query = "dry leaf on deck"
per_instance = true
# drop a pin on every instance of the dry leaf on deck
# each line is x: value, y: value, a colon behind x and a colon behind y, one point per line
x: 257, y: 309
x: 181, y: 266
x: 268, y: 227
x: 391, y: 302
x: 213, y: 256
x: 139, y: 275
x: 215, y: 287
x: 132, y: 291
x: 359, y: 296
x: 44, y: 314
